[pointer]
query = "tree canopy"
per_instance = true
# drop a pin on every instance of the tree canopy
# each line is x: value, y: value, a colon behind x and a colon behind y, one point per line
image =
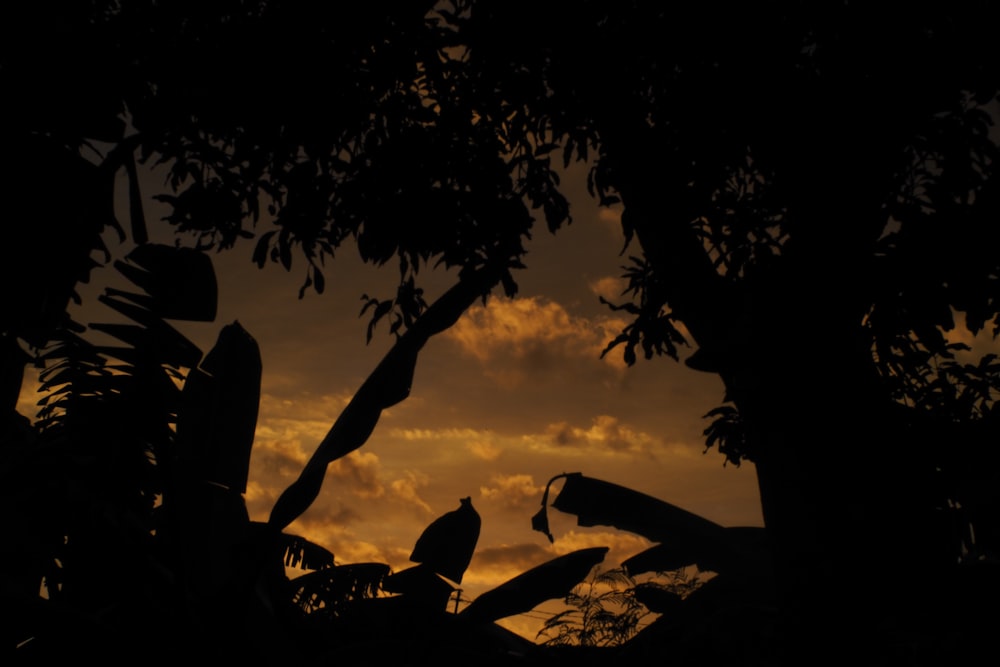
x: 813, y: 190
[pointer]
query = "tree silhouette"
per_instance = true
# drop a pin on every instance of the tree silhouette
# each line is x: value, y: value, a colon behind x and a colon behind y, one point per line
x: 813, y: 190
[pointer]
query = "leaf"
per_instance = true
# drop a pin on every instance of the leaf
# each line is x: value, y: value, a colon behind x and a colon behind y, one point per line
x: 743, y: 549
x: 165, y: 342
x: 318, y: 280
x: 300, y: 552
x: 550, y: 580
x: 447, y: 544
x: 219, y: 406
x: 386, y: 386
x: 333, y: 587
x: 180, y: 281
x: 260, y: 250
x: 422, y: 585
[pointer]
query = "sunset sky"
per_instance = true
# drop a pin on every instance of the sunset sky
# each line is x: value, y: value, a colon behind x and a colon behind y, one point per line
x: 512, y: 395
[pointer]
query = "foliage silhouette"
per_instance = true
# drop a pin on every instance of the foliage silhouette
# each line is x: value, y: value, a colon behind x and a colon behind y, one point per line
x: 168, y: 512
x: 608, y: 609
x: 739, y: 599
x: 813, y: 190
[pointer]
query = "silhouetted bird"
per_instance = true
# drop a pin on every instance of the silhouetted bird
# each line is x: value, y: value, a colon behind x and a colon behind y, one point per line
x: 447, y: 544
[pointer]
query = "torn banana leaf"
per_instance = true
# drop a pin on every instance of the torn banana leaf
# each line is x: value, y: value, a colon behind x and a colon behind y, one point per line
x: 685, y: 538
x: 599, y: 503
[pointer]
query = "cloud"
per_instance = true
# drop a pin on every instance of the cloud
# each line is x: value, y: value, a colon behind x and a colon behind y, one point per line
x: 609, y: 287
x: 517, y: 338
x: 482, y: 444
x: 513, y: 492
x: 300, y: 405
x: 491, y: 566
x: 606, y: 434
x: 621, y: 545
x: 405, y: 489
x: 417, y: 434
x: 359, y: 471
x: 484, y: 449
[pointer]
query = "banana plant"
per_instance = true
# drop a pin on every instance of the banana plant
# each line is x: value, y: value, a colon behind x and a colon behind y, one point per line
x: 739, y: 557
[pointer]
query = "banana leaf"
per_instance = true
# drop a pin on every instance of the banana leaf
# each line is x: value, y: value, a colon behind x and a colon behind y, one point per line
x: 743, y: 549
x: 180, y: 282
x: 447, y: 544
x: 218, y: 416
x: 421, y: 586
x: 685, y: 538
x: 300, y: 552
x: 166, y: 343
x: 387, y: 385
x: 550, y: 580
x: 333, y: 587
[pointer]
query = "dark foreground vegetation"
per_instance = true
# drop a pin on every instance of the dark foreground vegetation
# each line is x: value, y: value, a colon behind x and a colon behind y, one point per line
x: 813, y: 191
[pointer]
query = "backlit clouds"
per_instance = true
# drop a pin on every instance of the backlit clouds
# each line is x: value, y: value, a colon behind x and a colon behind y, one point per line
x: 535, y: 333
x: 405, y: 489
x: 621, y: 545
x: 604, y: 431
x: 482, y: 444
x: 360, y: 471
x: 442, y: 434
x: 514, y: 492
x: 606, y: 435
x: 484, y: 449
x: 609, y: 287
x: 491, y: 566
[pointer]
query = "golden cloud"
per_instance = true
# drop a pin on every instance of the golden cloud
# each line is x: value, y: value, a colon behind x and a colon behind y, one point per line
x: 483, y: 444
x: 435, y: 434
x: 359, y: 471
x: 405, y: 489
x: 609, y: 287
x: 536, y: 333
x: 491, y: 566
x: 514, y: 492
x: 301, y: 405
x: 484, y: 449
x: 606, y: 435
x: 621, y: 545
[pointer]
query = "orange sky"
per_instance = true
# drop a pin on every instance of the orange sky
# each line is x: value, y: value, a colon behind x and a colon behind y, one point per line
x: 512, y: 395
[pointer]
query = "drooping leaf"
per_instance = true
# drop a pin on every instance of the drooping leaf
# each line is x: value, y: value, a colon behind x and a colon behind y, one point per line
x: 387, y: 385
x: 550, y: 580
x: 599, y: 503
